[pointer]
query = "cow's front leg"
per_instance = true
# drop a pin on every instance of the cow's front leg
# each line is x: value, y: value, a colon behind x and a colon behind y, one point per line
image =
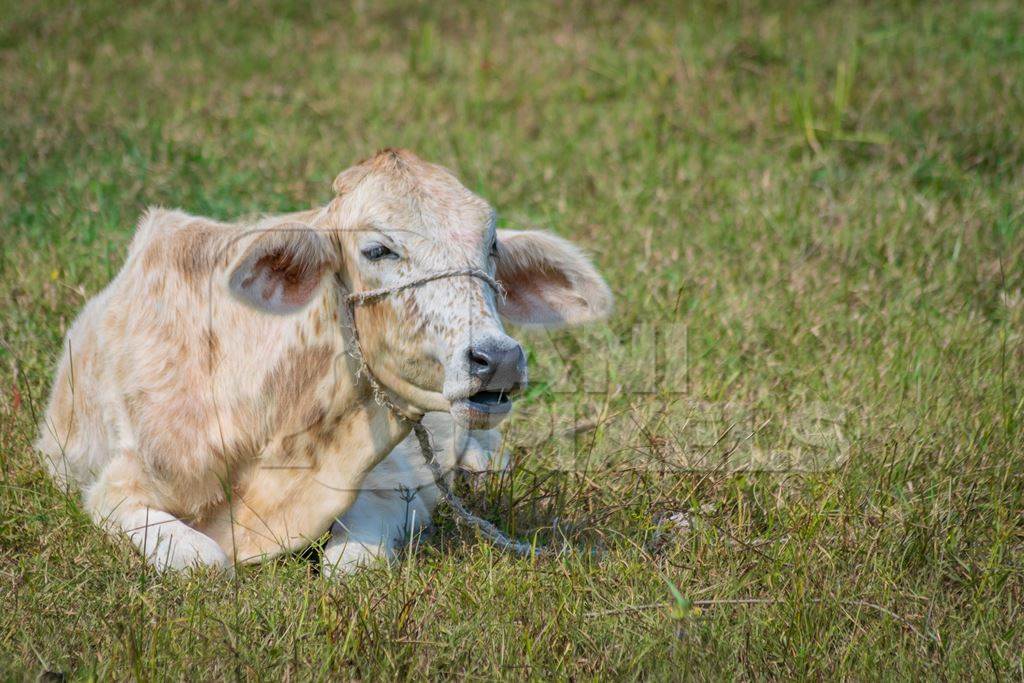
x: 168, y: 543
x: 118, y: 502
x: 399, y: 495
x: 377, y: 525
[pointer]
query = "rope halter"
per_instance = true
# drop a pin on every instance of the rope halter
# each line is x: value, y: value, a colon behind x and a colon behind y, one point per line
x: 360, y: 298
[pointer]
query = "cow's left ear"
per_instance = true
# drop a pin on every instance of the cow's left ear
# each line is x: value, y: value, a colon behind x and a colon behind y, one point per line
x: 548, y: 281
x: 281, y: 270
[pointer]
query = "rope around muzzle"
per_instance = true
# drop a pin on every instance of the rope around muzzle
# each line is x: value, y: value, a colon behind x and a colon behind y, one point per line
x: 462, y: 515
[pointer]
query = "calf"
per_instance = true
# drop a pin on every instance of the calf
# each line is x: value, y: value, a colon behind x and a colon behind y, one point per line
x: 211, y: 402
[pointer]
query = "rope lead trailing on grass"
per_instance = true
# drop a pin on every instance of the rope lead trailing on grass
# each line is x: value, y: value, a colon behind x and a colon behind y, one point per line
x: 463, y: 516
x: 493, y: 534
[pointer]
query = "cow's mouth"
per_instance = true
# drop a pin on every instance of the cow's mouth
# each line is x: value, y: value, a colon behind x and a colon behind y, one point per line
x: 490, y: 402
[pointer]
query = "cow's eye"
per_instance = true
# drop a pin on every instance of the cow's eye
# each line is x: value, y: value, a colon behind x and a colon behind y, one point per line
x: 494, y: 248
x: 377, y: 251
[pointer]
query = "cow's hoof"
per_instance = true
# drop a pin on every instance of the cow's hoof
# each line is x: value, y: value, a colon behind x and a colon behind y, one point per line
x: 183, y: 551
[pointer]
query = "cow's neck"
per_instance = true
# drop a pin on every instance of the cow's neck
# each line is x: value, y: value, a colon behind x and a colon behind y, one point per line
x: 328, y: 431
x: 310, y: 475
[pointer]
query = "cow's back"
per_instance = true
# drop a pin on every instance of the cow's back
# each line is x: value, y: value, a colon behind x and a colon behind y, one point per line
x: 132, y: 364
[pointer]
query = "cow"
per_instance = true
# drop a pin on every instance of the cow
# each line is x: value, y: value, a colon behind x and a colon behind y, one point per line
x: 215, y: 403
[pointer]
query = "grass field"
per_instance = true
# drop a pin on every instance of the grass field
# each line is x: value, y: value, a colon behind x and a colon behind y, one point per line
x: 822, y: 203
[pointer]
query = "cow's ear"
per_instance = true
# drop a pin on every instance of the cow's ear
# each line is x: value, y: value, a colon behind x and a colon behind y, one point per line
x: 281, y: 270
x: 548, y: 282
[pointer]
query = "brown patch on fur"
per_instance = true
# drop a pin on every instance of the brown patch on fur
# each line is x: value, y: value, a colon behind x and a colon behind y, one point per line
x: 153, y: 256
x: 316, y: 418
x: 318, y: 326
x: 171, y: 445
x: 374, y: 320
x: 300, y: 413
x: 319, y: 427
x: 245, y: 447
x: 194, y: 254
x: 315, y: 431
x: 289, y: 447
x: 294, y: 382
x: 414, y: 317
x: 212, y: 347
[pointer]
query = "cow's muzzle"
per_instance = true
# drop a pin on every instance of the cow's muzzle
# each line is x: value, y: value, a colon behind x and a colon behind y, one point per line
x: 496, y: 369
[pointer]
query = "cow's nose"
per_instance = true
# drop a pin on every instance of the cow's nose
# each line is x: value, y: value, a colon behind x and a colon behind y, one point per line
x: 499, y: 364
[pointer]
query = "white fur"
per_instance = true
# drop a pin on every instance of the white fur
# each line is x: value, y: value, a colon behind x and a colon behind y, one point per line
x: 168, y: 543
x: 399, y: 496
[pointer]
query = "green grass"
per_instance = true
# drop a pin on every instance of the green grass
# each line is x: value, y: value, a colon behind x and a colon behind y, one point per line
x: 827, y: 198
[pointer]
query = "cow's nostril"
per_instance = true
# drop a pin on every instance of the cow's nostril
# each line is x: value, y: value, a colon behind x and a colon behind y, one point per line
x: 479, y: 361
x: 498, y: 364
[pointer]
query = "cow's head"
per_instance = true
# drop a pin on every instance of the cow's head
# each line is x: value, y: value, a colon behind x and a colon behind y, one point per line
x: 439, y: 345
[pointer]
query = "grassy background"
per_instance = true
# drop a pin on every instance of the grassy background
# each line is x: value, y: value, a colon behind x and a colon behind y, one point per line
x: 827, y: 197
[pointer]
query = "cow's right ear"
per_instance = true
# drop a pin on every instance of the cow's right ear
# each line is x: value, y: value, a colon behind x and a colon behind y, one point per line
x: 282, y: 269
